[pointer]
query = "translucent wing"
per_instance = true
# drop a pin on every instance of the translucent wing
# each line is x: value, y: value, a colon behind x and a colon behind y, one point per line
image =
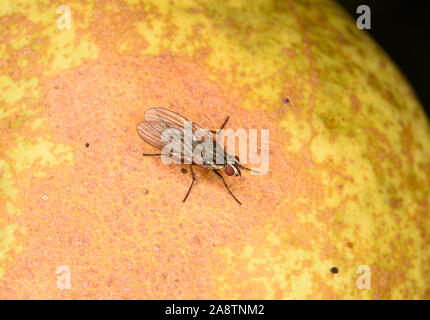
x: 152, y: 133
x: 157, y: 120
x: 172, y: 119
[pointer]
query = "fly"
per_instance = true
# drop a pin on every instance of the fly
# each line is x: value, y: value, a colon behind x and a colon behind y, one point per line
x: 157, y: 120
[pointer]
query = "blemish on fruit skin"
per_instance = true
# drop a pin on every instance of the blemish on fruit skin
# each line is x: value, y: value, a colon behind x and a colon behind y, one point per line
x: 356, y: 104
x: 334, y: 270
x: 285, y: 100
x: 396, y: 203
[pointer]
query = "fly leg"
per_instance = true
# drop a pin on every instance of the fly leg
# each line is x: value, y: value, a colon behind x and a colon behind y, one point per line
x: 225, y: 183
x: 151, y: 154
x: 191, y: 168
x: 192, y: 183
x: 225, y: 122
x: 223, y: 125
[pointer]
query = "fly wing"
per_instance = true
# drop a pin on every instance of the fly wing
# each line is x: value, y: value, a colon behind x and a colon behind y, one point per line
x: 159, y: 119
x: 152, y: 131
x: 172, y: 119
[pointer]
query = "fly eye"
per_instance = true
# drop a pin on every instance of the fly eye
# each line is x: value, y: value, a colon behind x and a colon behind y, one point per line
x: 229, y: 170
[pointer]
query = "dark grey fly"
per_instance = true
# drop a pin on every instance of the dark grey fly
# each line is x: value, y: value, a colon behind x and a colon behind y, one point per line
x: 205, y: 153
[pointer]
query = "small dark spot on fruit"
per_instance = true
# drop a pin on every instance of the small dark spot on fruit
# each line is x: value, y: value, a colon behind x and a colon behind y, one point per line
x: 350, y: 245
x: 87, y: 144
x: 56, y: 87
x: 183, y: 170
x: 285, y: 100
x: 334, y: 270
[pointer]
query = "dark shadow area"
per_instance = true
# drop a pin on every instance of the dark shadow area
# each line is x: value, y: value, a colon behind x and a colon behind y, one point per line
x: 402, y: 29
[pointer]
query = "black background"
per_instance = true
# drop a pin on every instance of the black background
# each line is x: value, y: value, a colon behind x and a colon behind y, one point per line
x: 280, y: 309
x: 402, y: 29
